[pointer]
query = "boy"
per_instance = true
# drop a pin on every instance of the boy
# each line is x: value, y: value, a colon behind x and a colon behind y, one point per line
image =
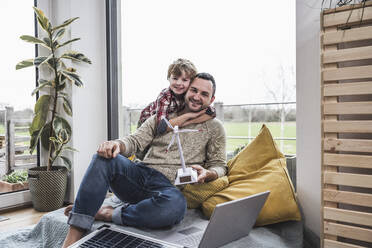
x: 171, y: 99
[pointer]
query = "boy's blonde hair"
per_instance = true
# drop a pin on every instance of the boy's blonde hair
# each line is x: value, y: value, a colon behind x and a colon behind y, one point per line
x: 182, y: 65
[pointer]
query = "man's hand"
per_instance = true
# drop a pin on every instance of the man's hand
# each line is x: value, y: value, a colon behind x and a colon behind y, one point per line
x: 204, y: 175
x: 109, y: 149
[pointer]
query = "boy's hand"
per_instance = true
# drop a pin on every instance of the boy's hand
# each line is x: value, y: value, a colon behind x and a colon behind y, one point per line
x: 109, y: 149
x: 204, y: 175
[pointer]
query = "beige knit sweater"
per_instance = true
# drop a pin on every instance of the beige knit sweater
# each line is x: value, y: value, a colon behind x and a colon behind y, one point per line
x: 206, y: 148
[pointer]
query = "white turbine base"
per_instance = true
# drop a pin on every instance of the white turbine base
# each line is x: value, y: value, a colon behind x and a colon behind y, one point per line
x: 185, y: 177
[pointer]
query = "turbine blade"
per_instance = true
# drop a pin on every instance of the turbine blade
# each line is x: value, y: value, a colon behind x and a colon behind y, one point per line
x: 171, y: 143
x: 188, y: 130
x: 166, y: 121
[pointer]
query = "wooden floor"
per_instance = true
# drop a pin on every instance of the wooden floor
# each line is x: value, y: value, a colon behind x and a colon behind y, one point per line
x: 19, y: 218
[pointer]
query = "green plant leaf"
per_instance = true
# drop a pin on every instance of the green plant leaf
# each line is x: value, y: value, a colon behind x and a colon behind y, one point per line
x: 42, y: 83
x: 34, y: 40
x: 59, y: 34
x: 43, y: 20
x: 69, y: 148
x: 41, y: 113
x: 35, y: 136
x: 42, y: 104
x: 67, y: 162
x: 60, y: 124
x: 67, y: 42
x: 44, y: 138
x: 73, y: 77
x: 76, y: 56
x: 24, y: 64
x: 39, y: 60
x: 65, y: 23
x: 67, y: 106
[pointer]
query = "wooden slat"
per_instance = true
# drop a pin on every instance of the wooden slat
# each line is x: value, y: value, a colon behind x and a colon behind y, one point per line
x: 344, y: 108
x: 341, y: 36
x: 348, y: 179
x: 24, y: 166
x: 348, y: 89
x: 21, y: 129
x: 336, y: 244
x: 347, y: 7
x: 351, y: 145
x: 25, y: 157
x: 349, y: 216
x: 20, y: 122
x: 21, y: 148
x: 341, y: 18
x: 21, y: 138
x: 348, y: 160
x: 353, y: 198
x: 351, y: 232
x: 350, y: 54
x: 346, y: 73
x: 348, y: 126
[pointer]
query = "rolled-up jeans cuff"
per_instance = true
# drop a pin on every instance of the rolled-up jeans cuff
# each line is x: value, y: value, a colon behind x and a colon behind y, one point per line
x: 116, y: 216
x: 82, y: 221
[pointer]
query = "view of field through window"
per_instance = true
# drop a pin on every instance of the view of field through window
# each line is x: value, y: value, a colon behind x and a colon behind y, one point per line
x: 251, y: 56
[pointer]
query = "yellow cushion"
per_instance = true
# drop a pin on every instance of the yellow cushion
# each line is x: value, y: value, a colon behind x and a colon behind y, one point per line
x: 195, y: 194
x: 259, y: 167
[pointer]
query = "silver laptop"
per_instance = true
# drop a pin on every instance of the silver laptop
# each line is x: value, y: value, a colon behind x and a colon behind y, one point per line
x: 230, y: 221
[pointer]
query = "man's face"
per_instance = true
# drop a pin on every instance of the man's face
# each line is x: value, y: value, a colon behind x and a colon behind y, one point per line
x: 199, y: 95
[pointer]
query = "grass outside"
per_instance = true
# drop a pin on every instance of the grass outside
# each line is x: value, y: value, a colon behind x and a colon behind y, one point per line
x: 241, y: 129
x: 26, y: 143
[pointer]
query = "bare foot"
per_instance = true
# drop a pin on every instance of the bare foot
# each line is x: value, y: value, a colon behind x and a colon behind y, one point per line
x: 68, y: 210
x: 104, y: 214
x: 74, y: 234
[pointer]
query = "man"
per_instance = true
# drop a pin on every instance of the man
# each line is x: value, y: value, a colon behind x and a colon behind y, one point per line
x: 154, y: 201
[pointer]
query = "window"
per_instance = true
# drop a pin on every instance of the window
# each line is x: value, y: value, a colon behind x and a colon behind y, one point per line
x: 249, y: 47
x: 16, y: 102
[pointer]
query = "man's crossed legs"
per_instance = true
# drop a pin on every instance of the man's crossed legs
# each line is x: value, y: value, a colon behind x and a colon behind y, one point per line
x: 154, y: 202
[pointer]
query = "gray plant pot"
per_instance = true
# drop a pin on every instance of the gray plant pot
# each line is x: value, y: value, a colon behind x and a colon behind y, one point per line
x: 48, y: 188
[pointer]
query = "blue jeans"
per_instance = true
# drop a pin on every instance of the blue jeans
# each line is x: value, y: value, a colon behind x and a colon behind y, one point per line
x: 154, y: 202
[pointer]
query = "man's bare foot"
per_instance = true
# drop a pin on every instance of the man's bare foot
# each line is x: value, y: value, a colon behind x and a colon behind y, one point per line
x: 104, y: 214
x: 68, y: 210
x: 74, y: 234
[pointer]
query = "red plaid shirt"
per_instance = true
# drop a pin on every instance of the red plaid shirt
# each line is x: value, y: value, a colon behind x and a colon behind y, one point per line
x: 165, y: 103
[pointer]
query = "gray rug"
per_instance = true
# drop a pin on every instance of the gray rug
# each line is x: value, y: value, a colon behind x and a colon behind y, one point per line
x: 52, y: 229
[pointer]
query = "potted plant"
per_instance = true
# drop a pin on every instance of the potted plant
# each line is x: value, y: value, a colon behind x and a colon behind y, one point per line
x: 49, y: 126
x: 17, y: 180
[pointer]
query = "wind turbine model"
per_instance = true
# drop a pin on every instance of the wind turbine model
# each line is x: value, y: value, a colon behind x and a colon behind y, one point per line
x: 184, y: 175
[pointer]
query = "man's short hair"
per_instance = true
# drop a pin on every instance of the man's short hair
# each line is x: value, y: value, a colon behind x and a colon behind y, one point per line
x: 209, y: 77
x: 181, y: 65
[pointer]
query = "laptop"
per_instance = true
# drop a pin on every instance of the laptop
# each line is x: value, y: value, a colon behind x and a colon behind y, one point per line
x: 230, y: 221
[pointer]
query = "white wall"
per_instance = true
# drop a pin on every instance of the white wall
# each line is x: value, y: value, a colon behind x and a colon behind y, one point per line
x: 89, y: 122
x: 308, y: 110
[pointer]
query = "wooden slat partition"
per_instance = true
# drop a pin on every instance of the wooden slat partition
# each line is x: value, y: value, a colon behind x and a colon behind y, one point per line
x: 348, y: 35
x: 347, y: 231
x: 349, y: 216
x: 348, y: 126
x: 350, y: 54
x: 335, y: 244
x: 348, y: 160
x: 352, y: 198
x: 348, y: 108
x: 342, y: 29
x: 348, y: 89
x: 346, y: 73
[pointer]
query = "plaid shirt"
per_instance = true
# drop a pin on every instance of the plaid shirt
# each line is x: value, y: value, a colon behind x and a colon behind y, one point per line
x: 165, y: 104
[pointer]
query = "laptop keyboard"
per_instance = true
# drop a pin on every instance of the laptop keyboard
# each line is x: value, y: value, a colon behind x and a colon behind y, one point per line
x: 110, y: 239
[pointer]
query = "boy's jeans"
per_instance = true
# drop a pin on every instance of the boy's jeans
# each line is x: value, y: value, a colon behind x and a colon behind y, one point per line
x: 154, y: 201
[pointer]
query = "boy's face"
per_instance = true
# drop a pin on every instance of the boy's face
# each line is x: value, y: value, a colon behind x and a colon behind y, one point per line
x: 199, y: 96
x: 179, y: 85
